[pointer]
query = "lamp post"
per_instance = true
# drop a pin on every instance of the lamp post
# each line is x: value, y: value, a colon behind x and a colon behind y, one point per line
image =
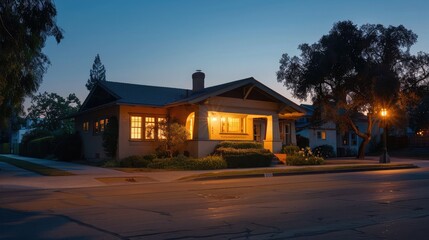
x: 384, y: 158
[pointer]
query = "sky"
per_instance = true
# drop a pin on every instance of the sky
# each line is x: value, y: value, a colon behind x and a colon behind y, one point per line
x: 162, y: 42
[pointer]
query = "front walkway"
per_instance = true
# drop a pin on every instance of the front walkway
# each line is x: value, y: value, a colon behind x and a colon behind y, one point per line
x: 90, y: 176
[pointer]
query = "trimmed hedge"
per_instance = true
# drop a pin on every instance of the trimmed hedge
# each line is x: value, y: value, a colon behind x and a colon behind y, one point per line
x: 240, y: 145
x: 248, y: 160
x: 298, y: 160
x: 229, y: 151
x: 184, y: 163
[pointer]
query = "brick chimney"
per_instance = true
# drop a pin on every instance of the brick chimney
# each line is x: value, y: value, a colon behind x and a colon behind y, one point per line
x: 198, y: 81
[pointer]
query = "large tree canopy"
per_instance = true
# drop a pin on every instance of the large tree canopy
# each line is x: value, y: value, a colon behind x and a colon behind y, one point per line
x: 52, y: 112
x: 97, y: 73
x: 358, y: 70
x: 24, y: 28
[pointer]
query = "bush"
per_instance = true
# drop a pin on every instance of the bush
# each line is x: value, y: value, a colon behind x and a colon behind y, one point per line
x: 207, y: 163
x: 298, y: 160
x: 5, y: 148
x: 185, y: 163
x: 68, y: 147
x: 240, y: 145
x: 290, y: 150
x: 325, y: 151
x: 248, y: 160
x: 30, y: 136
x: 135, y: 161
x: 40, y: 147
x: 302, y: 142
x: 229, y: 151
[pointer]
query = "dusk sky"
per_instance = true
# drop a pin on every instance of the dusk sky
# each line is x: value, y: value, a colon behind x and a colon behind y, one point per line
x: 162, y: 43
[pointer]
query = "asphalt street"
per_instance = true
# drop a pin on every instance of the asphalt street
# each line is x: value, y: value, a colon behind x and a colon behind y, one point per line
x: 392, y: 204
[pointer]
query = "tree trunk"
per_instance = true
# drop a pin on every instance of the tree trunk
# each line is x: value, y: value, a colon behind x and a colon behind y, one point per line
x: 361, y: 153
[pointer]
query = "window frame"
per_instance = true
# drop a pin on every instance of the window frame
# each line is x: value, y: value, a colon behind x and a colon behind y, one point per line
x: 144, y: 126
x: 226, y: 129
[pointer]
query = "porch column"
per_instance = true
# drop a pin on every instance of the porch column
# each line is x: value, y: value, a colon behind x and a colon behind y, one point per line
x: 292, y: 133
x: 272, y: 137
x: 201, y: 129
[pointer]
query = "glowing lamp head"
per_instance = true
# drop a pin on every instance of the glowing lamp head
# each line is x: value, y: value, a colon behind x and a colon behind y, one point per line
x: 384, y: 112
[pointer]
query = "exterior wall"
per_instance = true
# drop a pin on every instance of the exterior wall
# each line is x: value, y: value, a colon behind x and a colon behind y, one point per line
x: 314, y: 141
x: 128, y: 147
x: 91, y: 141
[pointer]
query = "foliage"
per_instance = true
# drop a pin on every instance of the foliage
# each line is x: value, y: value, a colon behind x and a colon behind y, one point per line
x: 97, y: 73
x: 4, y: 148
x: 419, y: 115
x: 110, y: 137
x: 50, y: 111
x: 185, y: 163
x: 25, y: 26
x: 299, y: 160
x: 174, y: 138
x: 40, y: 147
x: 248, y: 160
x: 135, y: 161
x: 68, y: 147
x: 353, y: 71
x: 240, y: 145
x: 229, y: 150
x: 29, y: 136
x: 290, y: 150
x: 325, y: 151
x: 302, y: 141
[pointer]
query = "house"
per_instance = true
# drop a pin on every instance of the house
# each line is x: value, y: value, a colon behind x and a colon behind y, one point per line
x: 243, y: 110
x: 323, y: 133
x: 345, y: 143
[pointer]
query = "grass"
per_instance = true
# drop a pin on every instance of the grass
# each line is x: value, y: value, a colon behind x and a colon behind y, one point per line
x: 34, y: 167
x: 292, y: 171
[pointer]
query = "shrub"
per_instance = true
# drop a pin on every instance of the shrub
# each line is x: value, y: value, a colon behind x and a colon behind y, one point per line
x: 111, y: 163
x: 30, y: 136
x: 298, y: 160
x: 110, y: 137
x: 207, y: 163
x: 229, y: 151
x: 302, y: 142
x: 290, y: 150
x: 304, y: 157
x: 5, y: 148
x: 40, y: 147
x: 248, y: 160
x: 240, y: 145
x: 68, y: 147
x: 325, y: 151
x: 136, y: 161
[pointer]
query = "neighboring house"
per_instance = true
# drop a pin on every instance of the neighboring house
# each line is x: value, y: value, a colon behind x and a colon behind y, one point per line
x: 243, y: 110
x: 344, y: 143
x: 317, y: 133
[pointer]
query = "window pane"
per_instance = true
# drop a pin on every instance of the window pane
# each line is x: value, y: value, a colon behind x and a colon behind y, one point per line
x: 162, y: 125
x: 149, y: 128
x: 136, y: 124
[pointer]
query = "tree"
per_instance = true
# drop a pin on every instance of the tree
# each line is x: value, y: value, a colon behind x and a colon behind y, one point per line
x: 173, y: 137
x: 50, y: 111
x: 97, y: 73
x: 353, y: 71
x: 110, y: 137
x: 24, y: 27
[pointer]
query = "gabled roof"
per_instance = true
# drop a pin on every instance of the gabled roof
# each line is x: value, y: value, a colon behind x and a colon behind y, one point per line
x: 135, y: 94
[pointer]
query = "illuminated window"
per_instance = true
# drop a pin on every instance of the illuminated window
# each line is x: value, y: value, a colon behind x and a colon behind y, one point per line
x: 232, y: 124
x: 321, y: 135
x: 162, y: 128
x: 149, y: 126
x: 96, y: 127
x: 136, y: 127
x: 85, y: 126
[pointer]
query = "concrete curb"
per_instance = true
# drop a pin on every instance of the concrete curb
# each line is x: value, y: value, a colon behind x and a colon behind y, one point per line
x: 321, y: 171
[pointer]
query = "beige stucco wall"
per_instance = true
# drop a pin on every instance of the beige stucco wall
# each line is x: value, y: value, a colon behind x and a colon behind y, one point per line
x: 128, y: 147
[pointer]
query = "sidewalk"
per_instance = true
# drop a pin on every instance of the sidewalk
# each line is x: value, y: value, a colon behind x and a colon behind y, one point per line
x: 90, y: 176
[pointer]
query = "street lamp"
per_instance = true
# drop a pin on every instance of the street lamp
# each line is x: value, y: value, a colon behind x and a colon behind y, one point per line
x: 384, y: 158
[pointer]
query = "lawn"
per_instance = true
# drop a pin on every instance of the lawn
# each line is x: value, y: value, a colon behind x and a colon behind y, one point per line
x: 36, y: 168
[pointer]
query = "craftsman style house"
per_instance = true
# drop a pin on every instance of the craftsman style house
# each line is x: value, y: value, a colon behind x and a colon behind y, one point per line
x: 243, y: 110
